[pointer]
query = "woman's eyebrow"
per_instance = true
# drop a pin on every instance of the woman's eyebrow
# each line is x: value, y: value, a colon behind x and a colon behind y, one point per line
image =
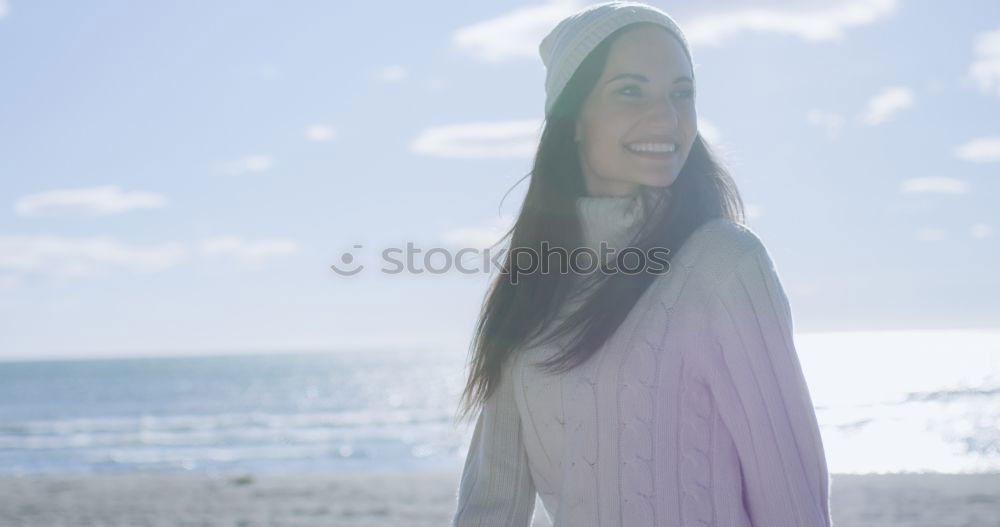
x: 636, y: 76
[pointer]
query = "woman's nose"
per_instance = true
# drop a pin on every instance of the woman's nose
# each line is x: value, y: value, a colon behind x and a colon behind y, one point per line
x: 663, y: 113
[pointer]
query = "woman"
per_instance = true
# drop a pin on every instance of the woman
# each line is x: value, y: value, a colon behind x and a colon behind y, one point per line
x: 637, y: 398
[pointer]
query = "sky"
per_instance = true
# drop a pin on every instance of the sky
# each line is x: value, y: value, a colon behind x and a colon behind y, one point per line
x: 177, y: 178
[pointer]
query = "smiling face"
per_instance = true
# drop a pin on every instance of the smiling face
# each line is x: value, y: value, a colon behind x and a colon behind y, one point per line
x: 643, y: 101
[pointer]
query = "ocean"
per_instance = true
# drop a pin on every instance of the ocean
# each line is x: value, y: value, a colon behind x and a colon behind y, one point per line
x: 906, y: 402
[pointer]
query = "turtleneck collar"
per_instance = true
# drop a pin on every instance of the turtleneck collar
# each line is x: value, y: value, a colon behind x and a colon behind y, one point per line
x: 611, y: 219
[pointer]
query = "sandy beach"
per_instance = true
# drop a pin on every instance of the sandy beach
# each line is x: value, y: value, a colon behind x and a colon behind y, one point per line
x: 399, y: 500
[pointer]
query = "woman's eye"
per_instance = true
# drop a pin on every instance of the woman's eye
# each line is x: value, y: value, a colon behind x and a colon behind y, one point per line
x: 626, y: 88
x: 633, y: 90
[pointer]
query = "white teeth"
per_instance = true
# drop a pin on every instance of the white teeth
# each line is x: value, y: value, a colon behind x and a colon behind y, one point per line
x: 652, y: 147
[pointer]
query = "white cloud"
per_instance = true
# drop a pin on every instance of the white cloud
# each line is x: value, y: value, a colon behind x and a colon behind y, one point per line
x: 320, y: 132
x: 249, y: 251
x: 980, y: 230
x: 253, y: 163
x: 3, y: 8
x: 394, y: 73
x: 930, y: 234
x: 832, y: 122
x: 516, y: 34
x: 93, y: 201
x: 980, y: 150
x: 936, y: 184
x: 985, y: 67
x: 480, y: 140
x: 883, y: 106
x: 829, y: 22
x: 58, y: 256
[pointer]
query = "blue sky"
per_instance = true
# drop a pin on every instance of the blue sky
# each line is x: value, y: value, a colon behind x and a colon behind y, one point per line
x: 178, y: 177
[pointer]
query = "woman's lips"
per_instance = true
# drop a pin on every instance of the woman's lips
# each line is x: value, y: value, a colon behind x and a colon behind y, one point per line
x: 659, y: 156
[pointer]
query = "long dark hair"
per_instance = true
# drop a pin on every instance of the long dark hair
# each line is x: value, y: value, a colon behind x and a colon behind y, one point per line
x: 513, y: 313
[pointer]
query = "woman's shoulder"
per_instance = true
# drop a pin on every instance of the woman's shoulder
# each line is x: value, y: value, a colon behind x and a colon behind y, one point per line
x: 714, y: 248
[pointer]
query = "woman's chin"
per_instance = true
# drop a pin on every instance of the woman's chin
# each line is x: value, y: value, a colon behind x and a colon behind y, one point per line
x: 659, y: 181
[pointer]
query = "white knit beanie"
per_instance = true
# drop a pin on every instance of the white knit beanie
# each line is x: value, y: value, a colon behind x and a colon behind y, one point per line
x: 569, y: 43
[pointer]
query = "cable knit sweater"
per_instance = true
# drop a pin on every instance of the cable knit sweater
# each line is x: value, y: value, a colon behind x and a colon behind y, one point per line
x: 695, y: 412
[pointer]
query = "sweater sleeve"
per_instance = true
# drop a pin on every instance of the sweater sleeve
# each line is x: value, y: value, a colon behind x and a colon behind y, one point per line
x: 496, y: 488
x: 762, y: 397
